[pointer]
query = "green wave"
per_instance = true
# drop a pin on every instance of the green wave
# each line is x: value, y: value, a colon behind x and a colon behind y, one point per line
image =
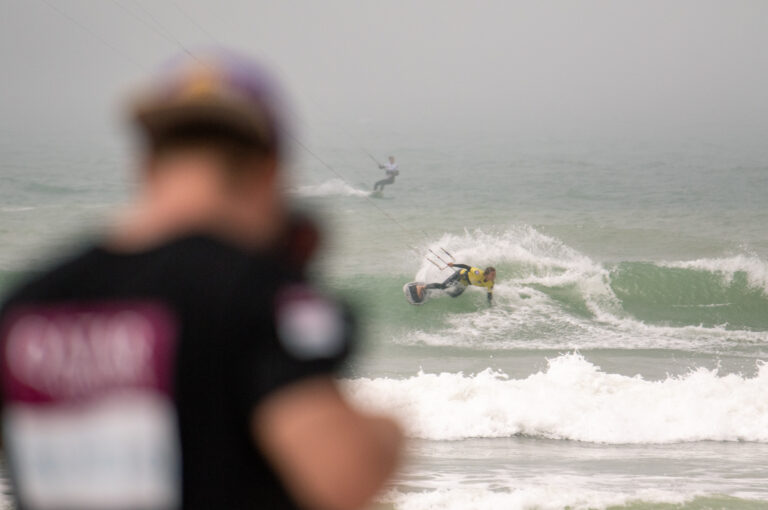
x: 681, y: 297
x: 651, y: 293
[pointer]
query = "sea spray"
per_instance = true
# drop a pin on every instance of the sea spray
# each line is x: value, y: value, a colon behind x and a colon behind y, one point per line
x: 573, y: 399
x: 525, y: 249
x: 330, y: 188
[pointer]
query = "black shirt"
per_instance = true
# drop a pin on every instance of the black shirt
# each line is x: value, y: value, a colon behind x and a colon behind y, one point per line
x: 147, y: 367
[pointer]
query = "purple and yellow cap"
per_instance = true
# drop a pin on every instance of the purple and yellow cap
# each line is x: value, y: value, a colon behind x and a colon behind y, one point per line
x: 216, y: 87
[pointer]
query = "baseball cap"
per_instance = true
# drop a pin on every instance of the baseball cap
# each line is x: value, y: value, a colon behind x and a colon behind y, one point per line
x: 216, y: 87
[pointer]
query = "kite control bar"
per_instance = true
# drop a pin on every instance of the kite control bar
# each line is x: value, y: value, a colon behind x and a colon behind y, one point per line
x: 446, y: 264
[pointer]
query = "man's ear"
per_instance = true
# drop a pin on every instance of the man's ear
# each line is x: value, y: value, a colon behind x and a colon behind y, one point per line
x: 269, y: 170
x: 260, y: 177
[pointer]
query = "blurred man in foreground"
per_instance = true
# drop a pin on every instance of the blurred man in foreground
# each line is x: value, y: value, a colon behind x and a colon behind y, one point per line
x: 183, y: 361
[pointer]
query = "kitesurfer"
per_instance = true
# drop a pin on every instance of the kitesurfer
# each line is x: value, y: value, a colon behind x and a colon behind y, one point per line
x: 391, y: 170
x: 458, y: 282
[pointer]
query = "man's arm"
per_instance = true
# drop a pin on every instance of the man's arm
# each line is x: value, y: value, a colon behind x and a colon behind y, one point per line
x: 460, y: 266
x: 328, y: 454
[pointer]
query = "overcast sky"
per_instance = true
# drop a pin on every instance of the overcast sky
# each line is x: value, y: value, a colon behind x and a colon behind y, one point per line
x: 597, y: 68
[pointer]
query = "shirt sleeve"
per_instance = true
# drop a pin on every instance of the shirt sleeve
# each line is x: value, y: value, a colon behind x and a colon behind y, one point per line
x: 302, y: 334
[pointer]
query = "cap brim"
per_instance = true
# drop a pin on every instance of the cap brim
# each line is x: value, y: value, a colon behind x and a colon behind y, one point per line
x: 158, y: 117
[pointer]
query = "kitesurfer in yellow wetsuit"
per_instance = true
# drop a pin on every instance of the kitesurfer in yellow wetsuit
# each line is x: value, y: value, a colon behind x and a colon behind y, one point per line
x: 458, y: 282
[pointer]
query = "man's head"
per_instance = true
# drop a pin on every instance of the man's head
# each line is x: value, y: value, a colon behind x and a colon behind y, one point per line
x: 212, y: 131
x: 391, y: 159
x: 489, y: 274
x: 214, y: 96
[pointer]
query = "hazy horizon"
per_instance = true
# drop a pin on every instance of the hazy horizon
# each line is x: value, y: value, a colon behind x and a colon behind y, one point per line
x: 588, y: 70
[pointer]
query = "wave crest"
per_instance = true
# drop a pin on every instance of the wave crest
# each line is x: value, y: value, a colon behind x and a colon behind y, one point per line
x: 573, y: 399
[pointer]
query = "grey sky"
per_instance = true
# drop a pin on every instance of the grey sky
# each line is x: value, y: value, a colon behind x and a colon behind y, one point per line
x: 619, y: 68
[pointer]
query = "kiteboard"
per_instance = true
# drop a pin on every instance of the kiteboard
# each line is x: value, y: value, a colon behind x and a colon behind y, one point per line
x: 409, y: 289
x: 376, y: 194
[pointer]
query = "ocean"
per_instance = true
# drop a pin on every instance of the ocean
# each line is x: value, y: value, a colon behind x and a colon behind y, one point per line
x: 622, y: 365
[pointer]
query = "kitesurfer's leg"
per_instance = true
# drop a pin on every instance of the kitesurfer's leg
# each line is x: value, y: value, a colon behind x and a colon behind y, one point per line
x: 451, y: 281
x: 379, y: 186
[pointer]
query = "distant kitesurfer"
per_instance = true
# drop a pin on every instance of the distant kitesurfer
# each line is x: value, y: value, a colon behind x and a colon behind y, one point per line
x: 391, y: 170
x: 458, y: 282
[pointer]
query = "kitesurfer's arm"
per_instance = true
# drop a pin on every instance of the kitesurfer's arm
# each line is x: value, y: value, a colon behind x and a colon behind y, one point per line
x: 489, y: 290
x: 460, y: 266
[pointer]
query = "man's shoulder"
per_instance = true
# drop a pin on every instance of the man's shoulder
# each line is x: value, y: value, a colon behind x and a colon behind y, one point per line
x: 200, y: 264
x: 61, y: 272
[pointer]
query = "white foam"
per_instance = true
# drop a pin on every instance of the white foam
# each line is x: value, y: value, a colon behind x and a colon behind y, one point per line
x: 333, y: 187
x: 573, y: 399
x: 536, y: 254
x: 544, y: 497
